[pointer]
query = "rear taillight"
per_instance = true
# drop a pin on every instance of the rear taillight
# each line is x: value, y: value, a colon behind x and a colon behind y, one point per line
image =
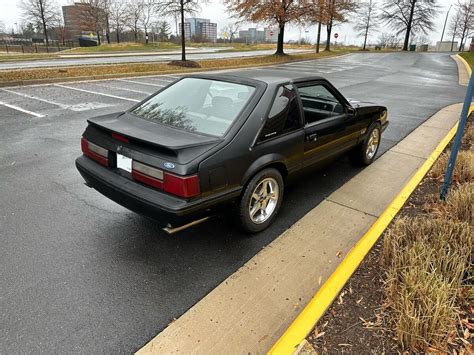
x: 95, y: 152
x: 182, y: 186
x: 147, y: 174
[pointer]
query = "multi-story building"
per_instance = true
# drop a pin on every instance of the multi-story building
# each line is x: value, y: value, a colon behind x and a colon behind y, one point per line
x: 252, y: 35
x: 199, y: 28
x: 80, y: 18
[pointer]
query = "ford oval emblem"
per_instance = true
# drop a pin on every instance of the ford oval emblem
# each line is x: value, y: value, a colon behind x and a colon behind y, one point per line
x: 169, y: 165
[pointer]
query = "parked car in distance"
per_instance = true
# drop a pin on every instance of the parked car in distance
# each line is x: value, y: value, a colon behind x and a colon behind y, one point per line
x: 207, y: 141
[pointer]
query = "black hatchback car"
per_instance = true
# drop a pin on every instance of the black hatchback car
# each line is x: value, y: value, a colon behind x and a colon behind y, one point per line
x: 205, y: 141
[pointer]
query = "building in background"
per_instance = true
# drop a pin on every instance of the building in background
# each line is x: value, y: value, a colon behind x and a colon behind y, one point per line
x: 252, y: 35
x: 201, y: 29
x: 81, y: 18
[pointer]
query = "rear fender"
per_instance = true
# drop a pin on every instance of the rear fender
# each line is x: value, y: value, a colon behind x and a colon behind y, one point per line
x: 261, y: 163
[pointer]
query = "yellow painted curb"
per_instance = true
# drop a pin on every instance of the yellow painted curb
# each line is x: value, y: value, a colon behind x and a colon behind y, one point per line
x: 314, y: 310
x: 468, y: 67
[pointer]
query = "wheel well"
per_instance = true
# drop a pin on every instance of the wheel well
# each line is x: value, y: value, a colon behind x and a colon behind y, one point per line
x: 278, y: 166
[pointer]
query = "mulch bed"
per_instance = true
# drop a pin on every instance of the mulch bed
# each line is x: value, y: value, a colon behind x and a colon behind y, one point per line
x: 358, y: 320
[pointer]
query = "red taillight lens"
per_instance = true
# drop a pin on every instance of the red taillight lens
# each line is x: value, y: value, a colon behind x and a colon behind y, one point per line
x: 95, y: 152
x: 184, y: 186
x: 147, y: 174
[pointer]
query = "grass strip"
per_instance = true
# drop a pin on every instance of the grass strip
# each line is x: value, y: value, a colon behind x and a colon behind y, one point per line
x: 469, y: 57
x: 151, y: 68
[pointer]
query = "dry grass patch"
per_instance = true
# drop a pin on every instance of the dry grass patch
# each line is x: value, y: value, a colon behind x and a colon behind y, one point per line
x: 459, y: 204
x: 426, y: 262
x: 463, y: 170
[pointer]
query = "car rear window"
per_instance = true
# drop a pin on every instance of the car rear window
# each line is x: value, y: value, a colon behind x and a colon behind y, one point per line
x: 197, y: 105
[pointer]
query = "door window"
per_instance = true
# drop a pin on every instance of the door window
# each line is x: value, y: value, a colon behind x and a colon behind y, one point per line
x: 319, y: 103
x: 284, y: 115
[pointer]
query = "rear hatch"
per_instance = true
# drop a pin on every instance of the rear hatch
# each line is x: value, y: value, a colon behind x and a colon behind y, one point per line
x: 126, y: 132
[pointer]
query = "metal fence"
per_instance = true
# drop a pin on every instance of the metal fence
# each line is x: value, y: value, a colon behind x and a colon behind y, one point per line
x: 30, y: 47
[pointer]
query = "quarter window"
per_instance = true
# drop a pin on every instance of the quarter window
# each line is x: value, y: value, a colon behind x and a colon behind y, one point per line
x: 284, y: 115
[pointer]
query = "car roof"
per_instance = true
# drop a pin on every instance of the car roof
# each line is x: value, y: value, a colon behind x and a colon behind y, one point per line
x: 270, y: 77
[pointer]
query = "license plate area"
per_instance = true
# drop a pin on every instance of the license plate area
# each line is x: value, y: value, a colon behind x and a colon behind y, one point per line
x: 124, y: 163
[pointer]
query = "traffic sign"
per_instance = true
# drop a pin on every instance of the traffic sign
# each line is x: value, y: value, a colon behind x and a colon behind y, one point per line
x: 336, y: 35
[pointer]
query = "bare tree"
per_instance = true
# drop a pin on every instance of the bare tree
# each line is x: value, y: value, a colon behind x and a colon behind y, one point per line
x: 134, y: 13
x: 466, y: 20
x: 231, y: 30
x: 118, y: 16
x: 93, y: 17
x: 148, y: 11
x: 40, y: 11
x: 177, y: 8
x: 367, y: 19
x: 315, y: 13
x: 411, y: 16
x: 2, y: 27
x: 336, y: 11
x: 454, y: 26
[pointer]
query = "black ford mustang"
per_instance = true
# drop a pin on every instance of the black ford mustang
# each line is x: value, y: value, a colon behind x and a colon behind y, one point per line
x: 208, y: 140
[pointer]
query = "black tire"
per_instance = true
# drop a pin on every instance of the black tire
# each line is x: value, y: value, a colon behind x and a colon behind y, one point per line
x: 360, y: 155
x: 269, y: 176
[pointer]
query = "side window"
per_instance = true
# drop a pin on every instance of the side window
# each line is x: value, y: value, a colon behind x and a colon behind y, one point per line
x: 284, y: 115
x: 319, y: 103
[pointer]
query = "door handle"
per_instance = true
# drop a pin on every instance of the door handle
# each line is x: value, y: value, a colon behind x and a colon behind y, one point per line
x: 313, y: 137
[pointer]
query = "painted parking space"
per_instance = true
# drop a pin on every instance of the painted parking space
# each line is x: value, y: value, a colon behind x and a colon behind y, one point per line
x: 84, y: 274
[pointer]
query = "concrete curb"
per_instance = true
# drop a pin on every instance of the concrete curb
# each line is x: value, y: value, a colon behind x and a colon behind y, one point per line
x: 304, y: 323
x: 152, y: 73
x: 250, y: 310
x: 464, y: 70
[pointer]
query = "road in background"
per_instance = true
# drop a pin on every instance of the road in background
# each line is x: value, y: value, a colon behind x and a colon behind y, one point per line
x: 79, y: 273
x: 121, y: 59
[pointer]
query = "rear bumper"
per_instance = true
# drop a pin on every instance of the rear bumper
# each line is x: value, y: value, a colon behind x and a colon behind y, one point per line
x: 166, y: 209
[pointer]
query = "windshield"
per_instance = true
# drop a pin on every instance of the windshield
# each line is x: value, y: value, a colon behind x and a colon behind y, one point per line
x: 197, y: 105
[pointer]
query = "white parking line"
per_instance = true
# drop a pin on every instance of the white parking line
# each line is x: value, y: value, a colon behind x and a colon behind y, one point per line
x: 37, y: 98
x: 95, y: 93
x: 139, y: 82
x: 122, y: 88
x: 22, y: 110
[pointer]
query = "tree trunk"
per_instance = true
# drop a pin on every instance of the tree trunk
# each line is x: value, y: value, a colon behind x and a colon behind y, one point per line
x: 98, y: 37
x: 183, y: 36
x: 463, y: 37
x: 366, y: 33
x: 410, y: 20
x: 117, y: 35
x: 45, y: 31
x: 318, y: 38
x: 281, y: 35
x: 452, y: 40
x: 328, y: 30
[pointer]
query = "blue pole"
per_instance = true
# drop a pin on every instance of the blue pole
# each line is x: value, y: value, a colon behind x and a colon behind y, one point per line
x: 457, y: 140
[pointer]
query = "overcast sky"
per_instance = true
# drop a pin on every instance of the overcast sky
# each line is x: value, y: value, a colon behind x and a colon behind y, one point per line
x: 215, y: 10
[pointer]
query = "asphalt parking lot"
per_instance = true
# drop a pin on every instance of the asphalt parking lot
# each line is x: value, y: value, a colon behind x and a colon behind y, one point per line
x: 82, y: 274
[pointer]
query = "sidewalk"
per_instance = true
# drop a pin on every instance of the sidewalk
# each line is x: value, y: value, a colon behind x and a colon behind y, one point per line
x: 250, y: 310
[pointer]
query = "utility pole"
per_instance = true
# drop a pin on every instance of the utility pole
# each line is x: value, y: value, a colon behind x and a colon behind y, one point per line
x: 444, y: 27
x: 183, y: 36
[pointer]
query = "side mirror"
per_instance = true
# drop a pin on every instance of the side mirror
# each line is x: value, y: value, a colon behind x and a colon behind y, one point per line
x: 351, y: 110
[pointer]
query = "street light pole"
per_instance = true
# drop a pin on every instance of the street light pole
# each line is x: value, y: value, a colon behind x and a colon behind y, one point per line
x: 445, y: 21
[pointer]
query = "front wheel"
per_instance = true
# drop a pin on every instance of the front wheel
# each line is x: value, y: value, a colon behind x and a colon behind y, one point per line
x: 261, y: 200
x: 364, y: 154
